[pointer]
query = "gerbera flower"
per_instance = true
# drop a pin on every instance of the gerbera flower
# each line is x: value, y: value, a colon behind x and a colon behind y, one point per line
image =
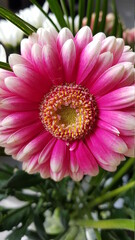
x: 67, y: 107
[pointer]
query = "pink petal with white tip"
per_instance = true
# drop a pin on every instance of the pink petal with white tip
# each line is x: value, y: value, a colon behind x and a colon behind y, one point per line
x: 82, y: 38
x: 88, y: 59
x: 86, y: 161
x: 58, y: 156
x: 68, y: 56
x: 63, y: 36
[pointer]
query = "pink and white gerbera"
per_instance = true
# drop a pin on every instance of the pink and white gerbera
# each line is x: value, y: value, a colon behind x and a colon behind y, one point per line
x: 66, y: 107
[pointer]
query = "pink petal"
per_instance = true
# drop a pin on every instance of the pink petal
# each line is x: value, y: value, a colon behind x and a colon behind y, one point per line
x: 120, y: 98
x: 109, y: 44
x: 17, y: 104
x: 25, y: 134
x: 15, y: 85
x: 52, y: 62
x: 88, y: 59
x: 127, y: 57
x: 108, y: 80
x: 63, y: 36
x: 20, y: 119
x: 73, y: 162
x: 82, y: 38
x: 118, y: 119
x: 108, y: 127
x: 118, y: 50
x: 77, y: 176
x: 45, y: 155
x: 86, y: 160
x: 99, y: 36
x: 103, y: 63
x: 58, y: 156
x: 68, y: 55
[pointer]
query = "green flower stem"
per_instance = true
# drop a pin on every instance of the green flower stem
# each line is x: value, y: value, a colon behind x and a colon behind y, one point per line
x: 107, y: 196
x: 81, y: 11
x: 120, y: 173
x: 5, y: 66
x: 64, y: 8
x: 72, y: 13
x: 97, y: 10
x: 126, y: 224
x: 89, y: 11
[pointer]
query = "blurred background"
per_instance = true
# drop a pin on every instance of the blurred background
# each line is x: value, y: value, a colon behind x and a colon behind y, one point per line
x: 126, y: 8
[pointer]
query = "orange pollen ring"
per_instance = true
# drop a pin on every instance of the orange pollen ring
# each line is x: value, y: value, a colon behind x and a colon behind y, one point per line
x: 68, y: 112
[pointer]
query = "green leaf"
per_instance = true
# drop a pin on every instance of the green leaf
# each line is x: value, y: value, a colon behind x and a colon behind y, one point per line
x: 89, y: 11
x: 118, y: 175
x: 109, y: 195
x: 127, y: 224
x: 19, y: 232
x: 56, y: 9
x: 104, y: 10
x: 46, y: 15
x: 24, y: 26
x: 115, y: 27
x: 14, y: 217
x: 21, y: 179
x: 5, y: 66
x: 81, y: 11
x: 64, y: 8
x: 97, y: 10
x: 72, y: 14
x: 32, y: 235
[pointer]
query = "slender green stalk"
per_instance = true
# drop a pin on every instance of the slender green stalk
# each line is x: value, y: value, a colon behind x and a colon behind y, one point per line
x: 120, y: 30
x: 104, y: 10
x: 5, y: 66
x: 120, y: 173
x: 98, y: 235
x: 109, y: 195
x: 81, y: 11
x: 46, y: 15
x: 97, y: 10
x: 72, y: 13
x: 115, y: 27
x: 126, y: 224
x: 24, y: 26
x: 64, y: 8
x: 56, y: 9
x: 89, y: 11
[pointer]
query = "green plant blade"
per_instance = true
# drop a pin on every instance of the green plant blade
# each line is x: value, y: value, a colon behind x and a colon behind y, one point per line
x: 72, y: 13
x: 104, y: 10
x: 56, y: 9
x: 89, y: 11
x: 21, y: 24
x: 81, y: 11
x: 46, y: 15
x: 5, y: 66
x: 126, y: 224
x: 97, y: 10
x: 115, y: 26
x: 64, y: 8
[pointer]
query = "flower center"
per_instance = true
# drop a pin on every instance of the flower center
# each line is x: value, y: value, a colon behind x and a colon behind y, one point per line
x: 68, y: 112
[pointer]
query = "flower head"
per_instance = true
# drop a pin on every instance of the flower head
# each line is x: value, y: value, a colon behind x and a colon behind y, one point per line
x: 67, y: 107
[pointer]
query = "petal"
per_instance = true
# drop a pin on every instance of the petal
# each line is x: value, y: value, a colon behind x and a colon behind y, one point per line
x: 25, y: 134
x: 82, y: 38
x: 108, y: 80
x: 103, y: 63
x: 127, y: 57
x: 85, y: 159
x: 63, y: 36
x: 88, y: 59
x: 15, y: 85
x: 58, y: 156
x: 74, y: 167
x: 53, y: 65
x: 108, y: 127
x: 17, y: 104
x: 118, y: 50
x: 118, y: 119
x: 19, y: 119
x: 120, y: 98
x: 68, y: 55
x: 46, y: 153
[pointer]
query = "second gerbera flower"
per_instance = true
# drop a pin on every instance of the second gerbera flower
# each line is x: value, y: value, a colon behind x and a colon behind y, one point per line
x: 67, y: 107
